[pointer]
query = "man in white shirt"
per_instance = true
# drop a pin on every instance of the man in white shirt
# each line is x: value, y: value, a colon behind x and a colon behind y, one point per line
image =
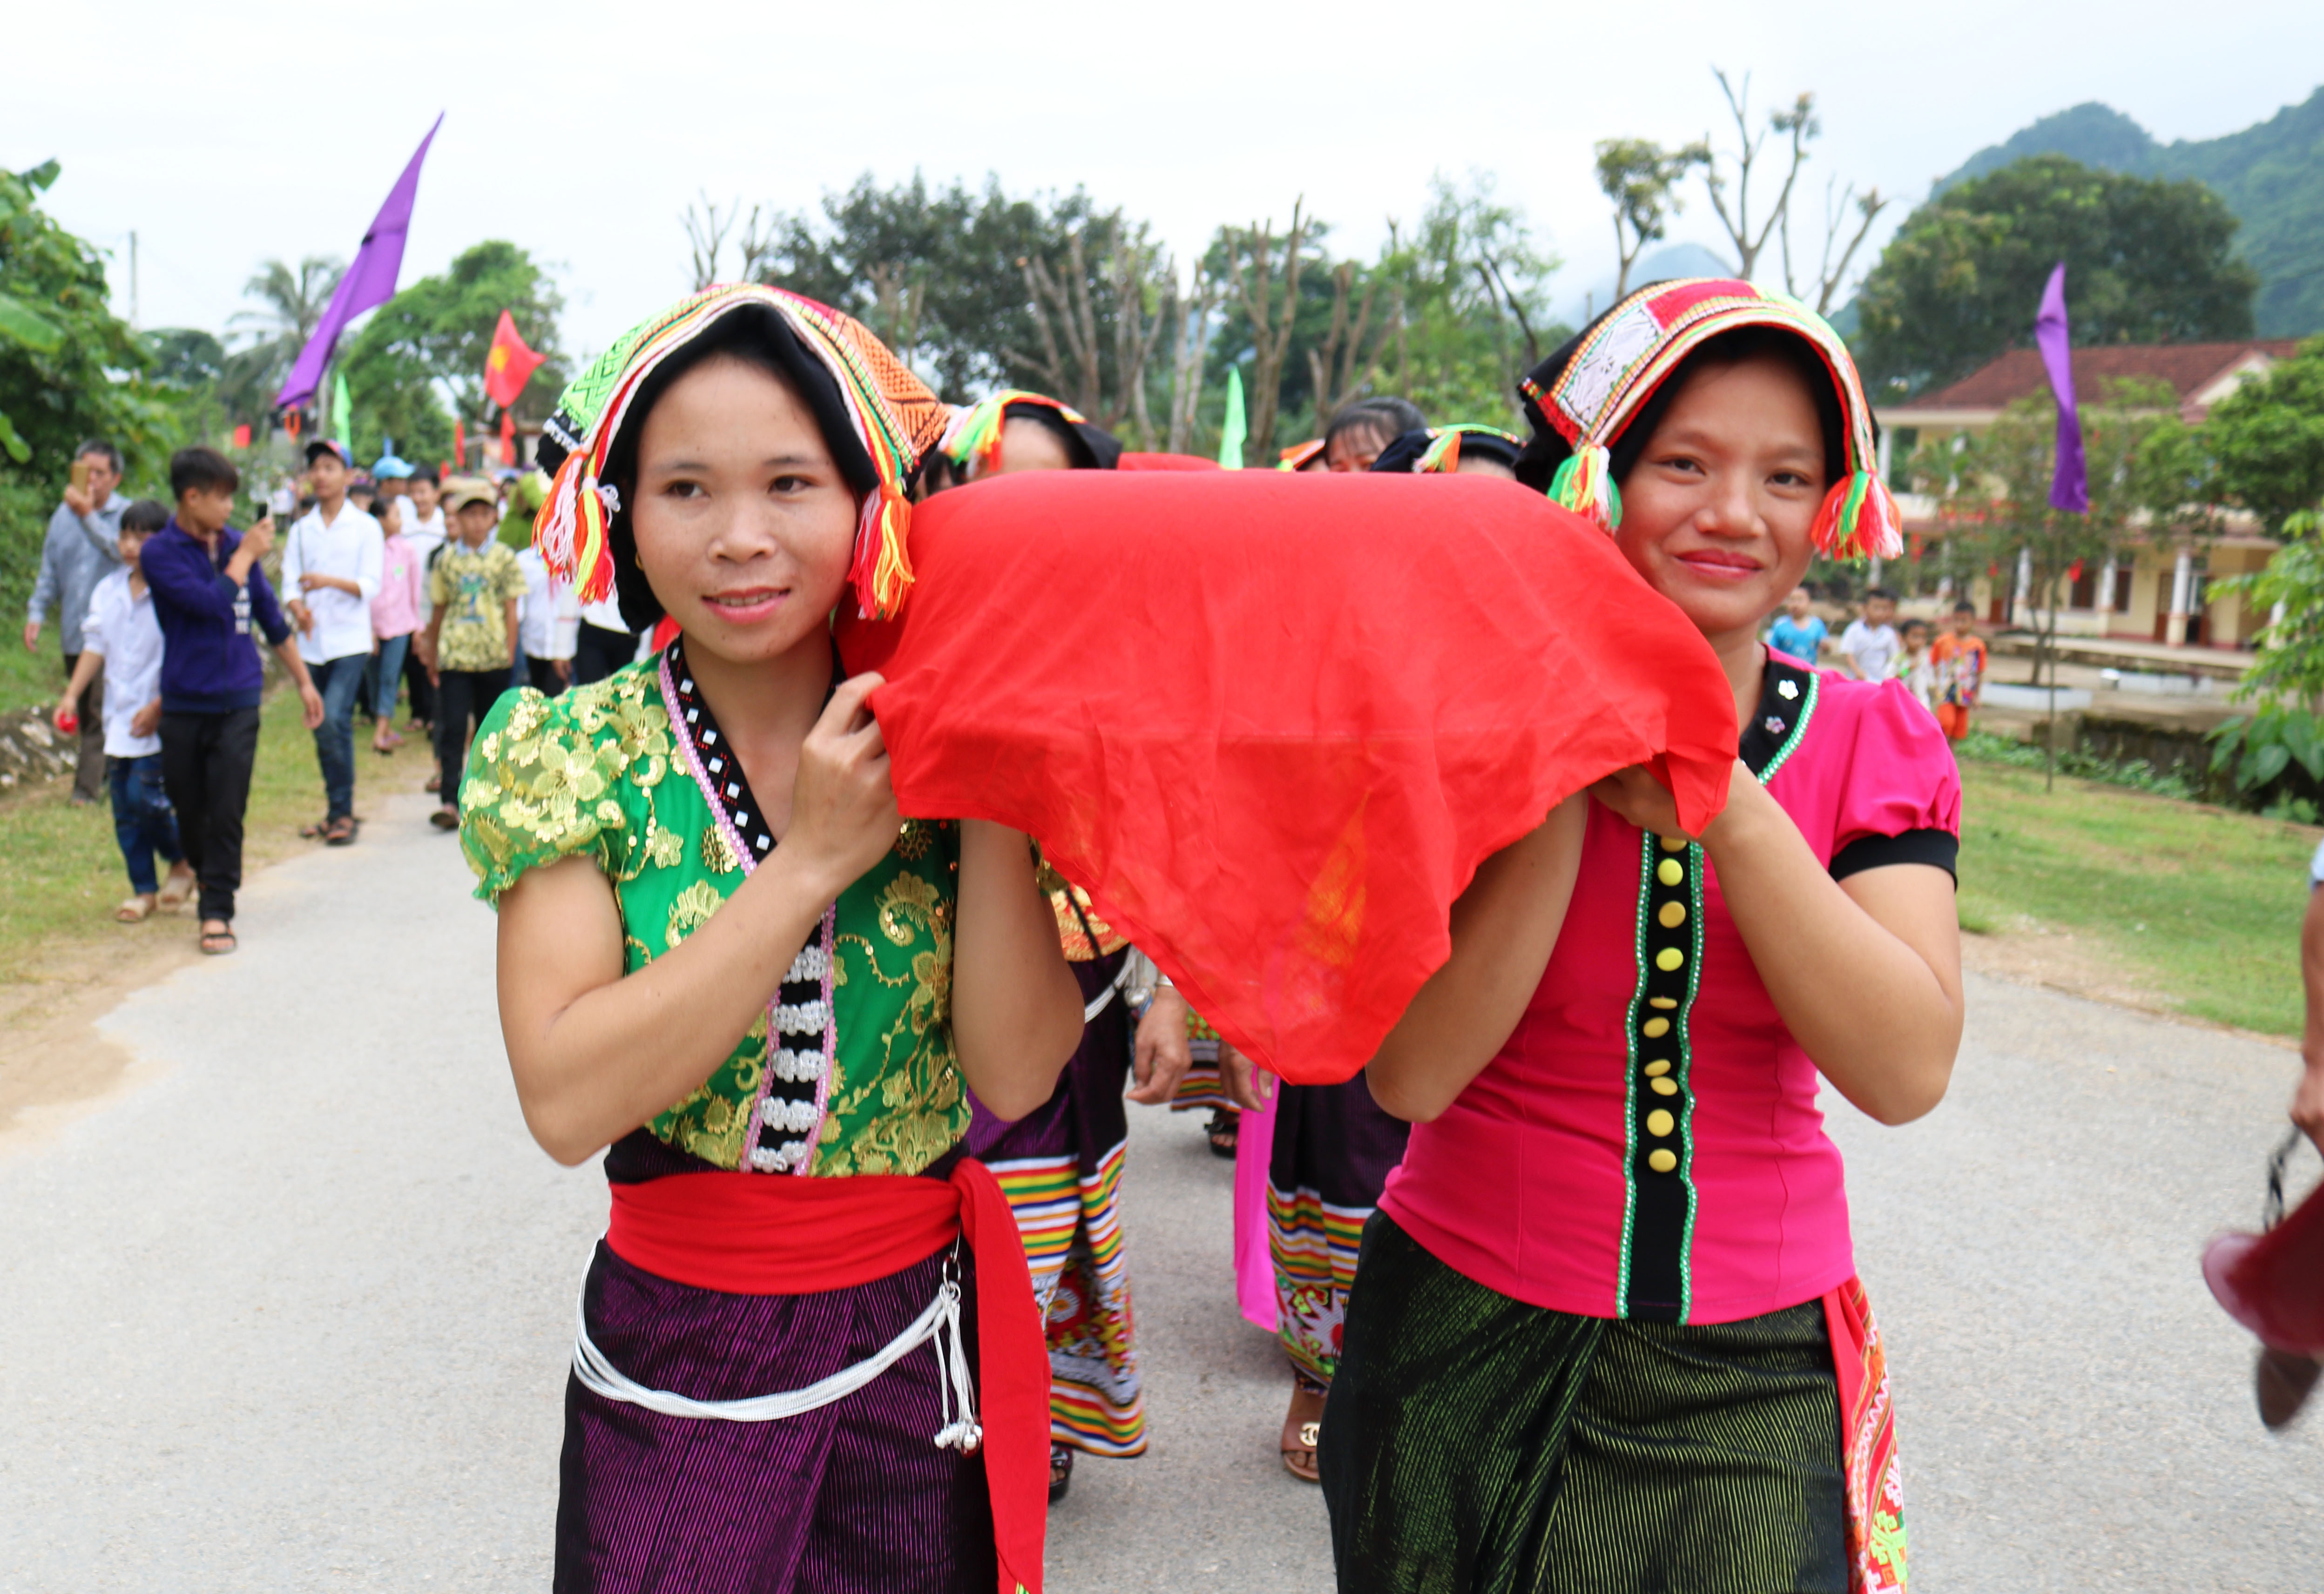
x: 1870, y: 641
x: 549, y: 621
x: 330, y: 572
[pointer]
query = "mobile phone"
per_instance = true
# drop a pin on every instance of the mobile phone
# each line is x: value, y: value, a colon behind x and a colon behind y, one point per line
x: 80, y: 469
x: 259, y: 510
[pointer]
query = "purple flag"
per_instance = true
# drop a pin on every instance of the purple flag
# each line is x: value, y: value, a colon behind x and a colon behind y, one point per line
x: 369, y: 282
x: 2070, y: 486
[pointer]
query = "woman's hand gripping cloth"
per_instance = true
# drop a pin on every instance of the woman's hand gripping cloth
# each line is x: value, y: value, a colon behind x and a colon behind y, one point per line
x: 1272, y: 723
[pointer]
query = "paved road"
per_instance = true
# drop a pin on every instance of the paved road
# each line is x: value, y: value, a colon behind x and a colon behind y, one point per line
x: 294, y: 1313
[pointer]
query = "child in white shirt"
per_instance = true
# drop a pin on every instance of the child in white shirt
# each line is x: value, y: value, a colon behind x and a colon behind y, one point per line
x: 1913, y: 666
x: 1870, y: 641
x: 549, y: 621
x: 122, y: 638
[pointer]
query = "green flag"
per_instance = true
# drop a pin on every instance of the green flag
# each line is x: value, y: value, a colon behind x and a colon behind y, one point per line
x: 340, y: 412
x: 1232, y: 432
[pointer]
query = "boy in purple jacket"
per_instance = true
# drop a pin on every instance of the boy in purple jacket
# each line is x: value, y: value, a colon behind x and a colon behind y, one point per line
x: 207, y: 589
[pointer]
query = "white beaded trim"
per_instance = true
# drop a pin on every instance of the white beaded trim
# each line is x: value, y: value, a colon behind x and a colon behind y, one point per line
x: 796, y: 1067
x: 812, y: 963
x: 806, y: 1018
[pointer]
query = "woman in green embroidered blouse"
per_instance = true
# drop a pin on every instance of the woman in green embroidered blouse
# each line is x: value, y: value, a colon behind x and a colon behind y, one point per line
x: 721, y: 949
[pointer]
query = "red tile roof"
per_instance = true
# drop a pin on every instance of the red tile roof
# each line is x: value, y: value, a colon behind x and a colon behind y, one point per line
x: 2188, y: 367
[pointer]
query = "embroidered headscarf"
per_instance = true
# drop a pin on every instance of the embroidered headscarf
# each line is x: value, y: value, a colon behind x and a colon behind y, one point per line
x: 974, y: 441
x: 1583, y: 398
x: 877, y: 418
x: 1300, y: 456
x: 1437, y: 449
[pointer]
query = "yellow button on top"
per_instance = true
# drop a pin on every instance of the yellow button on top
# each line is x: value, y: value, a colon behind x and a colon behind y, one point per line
x: 1673, y: 843
x: 1661, y: 1161
x: 1660, y: 1123
x: 1657, y: 1068
x: 1671, y: 915
x: 1663, y: 1002
x: 1664, y: 1087
x: 1669, y: 872
x: 1654, y: 1029
x: 1669, y: 958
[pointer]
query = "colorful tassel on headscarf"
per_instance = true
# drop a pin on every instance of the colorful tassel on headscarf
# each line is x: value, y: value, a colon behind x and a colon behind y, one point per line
x: 1584, y: 483
x: 1860, y: 520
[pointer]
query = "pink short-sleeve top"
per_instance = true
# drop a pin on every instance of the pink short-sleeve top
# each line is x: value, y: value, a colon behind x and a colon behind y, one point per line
x: 1647, y: 1144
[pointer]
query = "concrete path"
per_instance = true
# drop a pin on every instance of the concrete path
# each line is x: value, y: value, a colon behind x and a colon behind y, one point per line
x: 291, y: 1311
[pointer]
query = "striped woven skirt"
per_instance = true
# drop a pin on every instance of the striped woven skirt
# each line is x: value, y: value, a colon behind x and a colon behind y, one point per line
x: 1061, y: 1168
x: 1333, y: 1153
x: 1475, y: 1443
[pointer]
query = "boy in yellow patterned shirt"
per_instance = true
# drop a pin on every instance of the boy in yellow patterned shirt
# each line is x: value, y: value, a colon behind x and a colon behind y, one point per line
x: 475, y: 585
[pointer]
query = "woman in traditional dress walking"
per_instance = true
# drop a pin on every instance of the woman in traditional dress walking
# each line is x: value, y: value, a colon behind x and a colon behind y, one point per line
x: 1606, y: 1332
x: 725, y: 961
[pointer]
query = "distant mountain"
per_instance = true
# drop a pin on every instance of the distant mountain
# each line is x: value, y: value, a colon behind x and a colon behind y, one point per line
x: 2271, y: 176
x: 1671, y: 259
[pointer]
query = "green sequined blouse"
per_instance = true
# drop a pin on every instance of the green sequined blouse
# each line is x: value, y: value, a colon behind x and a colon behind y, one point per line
x: 596, y: 773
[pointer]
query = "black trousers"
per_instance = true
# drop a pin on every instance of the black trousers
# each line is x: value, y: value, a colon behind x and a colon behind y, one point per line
x: 598, y: 652
x: 461, y: 696
x: 541, y: 675
x: 422, y: 690
x: 205, y: 760
x: 88, y: 772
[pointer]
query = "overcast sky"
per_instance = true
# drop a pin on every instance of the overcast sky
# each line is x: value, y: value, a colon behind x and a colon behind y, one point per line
x: 580, y: 130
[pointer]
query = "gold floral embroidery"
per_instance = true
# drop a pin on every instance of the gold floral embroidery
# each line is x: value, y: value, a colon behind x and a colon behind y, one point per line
x: 692, y: 910
x: 913, y: 841
x: 665, y: 846
x: 718, y: 852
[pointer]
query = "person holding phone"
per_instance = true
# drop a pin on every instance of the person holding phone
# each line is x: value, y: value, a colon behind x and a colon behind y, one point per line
x: 79, y: 551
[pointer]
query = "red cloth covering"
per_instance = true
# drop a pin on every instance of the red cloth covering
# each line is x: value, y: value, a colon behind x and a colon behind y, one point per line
x: 1166, y: 462
x: 748, y: 1234
x: 1271, y: 724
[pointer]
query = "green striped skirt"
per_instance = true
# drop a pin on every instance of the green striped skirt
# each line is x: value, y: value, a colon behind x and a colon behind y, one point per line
x: 1474, y: 1444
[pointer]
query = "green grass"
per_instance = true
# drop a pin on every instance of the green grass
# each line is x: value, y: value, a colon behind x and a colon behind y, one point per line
x: 61, y: 873
x: 2203, y: 902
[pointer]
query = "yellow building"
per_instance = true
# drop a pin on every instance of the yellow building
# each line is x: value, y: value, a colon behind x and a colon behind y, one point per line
x: 2152, y: 590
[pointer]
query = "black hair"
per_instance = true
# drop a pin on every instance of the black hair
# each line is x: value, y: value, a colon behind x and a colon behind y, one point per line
x: 1090, y: 446
x: 1965, y: 607
x: 99, y: 446
x: 422, y: 473
x: 145, y: 517
x: 1871, y: 593
x: 194, y: 470
x: 1913, y: 620
x: 757, y: 334
x: 1386, y: 416
x: 1547, y: 449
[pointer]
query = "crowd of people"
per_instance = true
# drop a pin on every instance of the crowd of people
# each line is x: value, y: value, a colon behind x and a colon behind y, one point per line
x: 390, y: 586
x: 1562, y: 1277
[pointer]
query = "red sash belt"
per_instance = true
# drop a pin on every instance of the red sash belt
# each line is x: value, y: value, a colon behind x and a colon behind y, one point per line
x: 753, y: 1234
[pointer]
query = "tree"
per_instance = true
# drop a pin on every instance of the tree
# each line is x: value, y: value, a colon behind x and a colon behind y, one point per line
x: 1191, y: 331
x: 1830, y: 273
x: 1641, y: 177
x: 426, y: 346
x: 291, y: 307
x: 70, y: 368
x: 2267, y: 438
x: 1797, y: 125
x: 1098, y: 306
x: 1265, y: 278
x: 1472, y: 293
x: 706, y: 232
x: 2146, y: 262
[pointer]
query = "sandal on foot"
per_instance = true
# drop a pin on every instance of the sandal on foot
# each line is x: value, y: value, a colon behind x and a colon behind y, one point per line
x: 178, y: 888
x: 341, y: 831
x: 1300, y: 1459
x: 1301, y: 1433
x: 219, y: 942
x: 433, y: 783
x: 316, y: 831
x: 445, y: 818
x: 2282, y: 1381
x: 1223, y: 1130
x: 134, y: 911
x: 1061, y: 1472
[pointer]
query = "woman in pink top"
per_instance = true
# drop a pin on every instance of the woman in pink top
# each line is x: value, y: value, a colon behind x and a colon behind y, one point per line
x: 1606, y: 1332
x: 395, y: 614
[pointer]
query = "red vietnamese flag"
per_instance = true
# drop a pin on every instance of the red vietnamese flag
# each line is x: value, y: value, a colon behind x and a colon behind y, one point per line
x: 242, y: 435
x: 508, y: 438
x: 460, y: 443
x: 509, y: 364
